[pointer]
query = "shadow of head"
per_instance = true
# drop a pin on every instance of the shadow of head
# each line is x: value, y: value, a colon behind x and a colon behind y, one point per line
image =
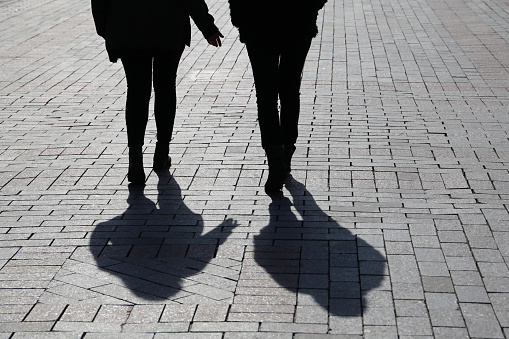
x: 308, y: 252
x: 154, y: 246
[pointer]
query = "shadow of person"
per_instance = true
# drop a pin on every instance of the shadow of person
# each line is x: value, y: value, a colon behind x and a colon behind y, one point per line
x: 307, y: 252
x: 151, y: 250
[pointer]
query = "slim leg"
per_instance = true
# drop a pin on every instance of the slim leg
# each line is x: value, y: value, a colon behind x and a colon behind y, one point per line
x: 165, y: 100
x: 293, y: 57
x: 138, y: 72
x: 264, y: 59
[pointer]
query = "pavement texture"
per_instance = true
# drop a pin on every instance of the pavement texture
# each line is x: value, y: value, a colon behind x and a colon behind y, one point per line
x: 394, y: 224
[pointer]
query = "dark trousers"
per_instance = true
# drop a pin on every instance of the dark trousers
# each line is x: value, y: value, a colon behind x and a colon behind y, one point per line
x: 139, y: 70
x: 277, y: 70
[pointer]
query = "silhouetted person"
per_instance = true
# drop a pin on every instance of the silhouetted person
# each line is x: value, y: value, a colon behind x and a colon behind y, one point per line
x: 149, y: 37
x: 278, y: 35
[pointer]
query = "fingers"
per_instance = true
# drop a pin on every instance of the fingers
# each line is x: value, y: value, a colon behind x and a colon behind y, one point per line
x: 215, y: 40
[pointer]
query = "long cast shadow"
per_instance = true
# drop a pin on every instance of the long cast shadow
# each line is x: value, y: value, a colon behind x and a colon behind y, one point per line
x: 152, y: 248
x: 308, y: 252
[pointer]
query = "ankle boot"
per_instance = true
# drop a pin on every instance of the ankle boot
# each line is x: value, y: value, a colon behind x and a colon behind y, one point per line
x: 136, y: 174
x: 277, y: 168
x: 161, y: 158
x: 289, y: 150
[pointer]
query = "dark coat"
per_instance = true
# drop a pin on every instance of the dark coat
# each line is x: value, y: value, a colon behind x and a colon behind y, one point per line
x: 149, y: 26
x: 275, y: 18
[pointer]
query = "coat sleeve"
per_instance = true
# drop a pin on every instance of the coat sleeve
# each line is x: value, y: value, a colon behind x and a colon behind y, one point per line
x: 99, y: 8
x: 236, y: 12
x: 199, y: 12
x: 319, y: 4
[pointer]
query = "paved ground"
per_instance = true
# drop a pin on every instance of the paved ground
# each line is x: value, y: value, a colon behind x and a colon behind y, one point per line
x: 394, y: 225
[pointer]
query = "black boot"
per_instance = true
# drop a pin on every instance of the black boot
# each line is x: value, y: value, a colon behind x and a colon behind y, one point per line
x: 136, y: 174
x: 289, y: 150
x: 161, y: 158
x: 277, y: 169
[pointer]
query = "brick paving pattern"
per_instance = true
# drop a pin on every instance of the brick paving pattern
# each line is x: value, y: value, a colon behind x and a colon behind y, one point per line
x: 395, y: 223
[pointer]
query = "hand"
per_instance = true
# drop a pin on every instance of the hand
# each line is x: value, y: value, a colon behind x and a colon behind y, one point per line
x: 215, y: 39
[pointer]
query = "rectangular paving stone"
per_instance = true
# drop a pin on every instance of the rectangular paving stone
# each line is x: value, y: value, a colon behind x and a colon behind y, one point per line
x: 121, y: 335
x: 294, y: 328
x: 211, y: 312
x: 345, y: 325
x: 185, y: 335
x: 412, y: 291
x: 446, y: 318
x: 450, y: 332
x: 257, y: 335
x: 472, y: 294
x: 437, y: 284
x: 43, y: 312
x: 379, y: 316
x: 47, y: 335
x: 224, y: 327
x: 39, y: 326
x: 110, y: 313
x: 481, y: 320
x: 414, y: 326
x: 145, y: 314
x: 155, y: 327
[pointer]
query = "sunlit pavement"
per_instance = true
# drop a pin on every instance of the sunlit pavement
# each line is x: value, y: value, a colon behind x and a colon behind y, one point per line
x: 394, y: 223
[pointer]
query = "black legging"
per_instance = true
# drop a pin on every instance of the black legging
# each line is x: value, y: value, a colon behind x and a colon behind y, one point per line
x: 138, y: 70
x: 277, y: 71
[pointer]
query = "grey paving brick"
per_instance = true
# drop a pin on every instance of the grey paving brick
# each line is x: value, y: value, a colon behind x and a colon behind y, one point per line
x: 211, y: 312
x: 410, y: 308
x: 450, y: 332
x: 43, y: 312
x: 47, y: 335
x: 446, y: 318
x: 436, y: 269
x: 258, y: 335
x: 346, y: 326
x: 145, y: 313
x: 461, y: 263
x: 446, y: 301
x: 186, y: 335
x: 413, y: 326
x: 39, y: 326
x: 403, y: 269
x: 311, y: 315
x: 89, y: 327
x: 481, y: 321
x: 175, y: 327
x: 379, y: 316
x: 295, y: 328
x: 380, y: 332
x: 225, y: 327
x: 321, y: 336
x: 121, y: 335
x: 408, y: 291
x: 108, y: 313
x: 466, y: 278
x: 178, y: 313
x: 473, y: 294
x: 437, y: 284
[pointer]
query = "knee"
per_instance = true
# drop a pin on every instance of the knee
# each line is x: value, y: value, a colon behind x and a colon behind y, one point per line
x: 139, y: 91
x: 289, y: 94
